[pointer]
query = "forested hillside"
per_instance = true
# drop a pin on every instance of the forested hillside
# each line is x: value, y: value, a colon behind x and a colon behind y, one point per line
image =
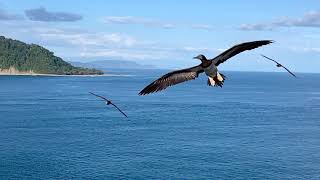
x: 31, y: 57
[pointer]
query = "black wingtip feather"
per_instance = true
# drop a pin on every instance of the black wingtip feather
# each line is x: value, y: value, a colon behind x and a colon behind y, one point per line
x: 149, y: 89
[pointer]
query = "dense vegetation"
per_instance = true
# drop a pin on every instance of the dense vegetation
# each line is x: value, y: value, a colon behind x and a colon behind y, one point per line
x: 31, y: 57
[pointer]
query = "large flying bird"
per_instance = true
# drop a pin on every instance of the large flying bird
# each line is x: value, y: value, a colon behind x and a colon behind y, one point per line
x: 209, y: 66
x: 279, y: 65
x: 108, y: 102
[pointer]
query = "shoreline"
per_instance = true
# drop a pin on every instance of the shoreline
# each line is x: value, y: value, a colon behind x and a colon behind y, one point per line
x: 12, y: 71
x: 63, y: 75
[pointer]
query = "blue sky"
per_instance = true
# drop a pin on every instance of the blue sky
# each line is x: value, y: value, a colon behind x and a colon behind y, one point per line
x: 168, y: 34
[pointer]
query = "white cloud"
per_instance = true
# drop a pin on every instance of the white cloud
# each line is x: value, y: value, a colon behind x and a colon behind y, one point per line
x: 148, y: 22
x: 310, y: 19
x: 202, y: 26
x: 313, y: 49
x: 41, y: 14
x: 90, y: 39
x: 256, y: 27
x: 122, y: 54
x: 125, y: 20
x: 137, y: 20
x: 73, y: 43
x: 198, y: 49
x: 103, y: 45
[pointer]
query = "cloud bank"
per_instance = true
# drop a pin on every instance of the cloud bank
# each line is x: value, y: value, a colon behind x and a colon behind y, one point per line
x: 41, y: 14
x: 148, y: 22
x: 310, y: 19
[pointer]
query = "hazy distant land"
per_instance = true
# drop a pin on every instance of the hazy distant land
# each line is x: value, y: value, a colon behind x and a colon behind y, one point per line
x: 112, y: 64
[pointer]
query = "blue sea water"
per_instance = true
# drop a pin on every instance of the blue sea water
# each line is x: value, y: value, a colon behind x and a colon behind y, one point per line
x: 258, y: 126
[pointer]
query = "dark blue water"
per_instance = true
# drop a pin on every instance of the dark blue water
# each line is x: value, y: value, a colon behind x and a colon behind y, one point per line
x: 258, y: 126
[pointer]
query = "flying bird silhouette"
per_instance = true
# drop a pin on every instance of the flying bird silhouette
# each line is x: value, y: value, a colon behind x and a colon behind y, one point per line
x: 108, y: 102
x: 209, y: 66
x: 279, y: 65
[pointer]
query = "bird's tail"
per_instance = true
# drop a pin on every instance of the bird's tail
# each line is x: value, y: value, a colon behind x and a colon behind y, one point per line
x: 218, y: 80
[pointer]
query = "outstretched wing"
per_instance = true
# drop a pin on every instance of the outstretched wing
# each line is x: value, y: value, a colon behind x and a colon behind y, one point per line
x: 239, y: 48
x: 99, y: 96
x: 119, y: 110
x: 269, y: 58
x: 280, y: 65
x: 289, y: 71
x: 109, y: 101
x: 172, y: 78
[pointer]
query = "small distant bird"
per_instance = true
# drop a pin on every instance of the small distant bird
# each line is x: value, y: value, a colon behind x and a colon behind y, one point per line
x: 279, y: 65
x: 209, y: 66
x: 108, y: 102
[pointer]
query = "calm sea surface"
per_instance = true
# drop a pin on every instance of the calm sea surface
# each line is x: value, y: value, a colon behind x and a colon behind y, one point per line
x: 258, y: 126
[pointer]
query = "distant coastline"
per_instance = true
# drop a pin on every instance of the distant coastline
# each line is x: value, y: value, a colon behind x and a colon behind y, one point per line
x: 14, y: 72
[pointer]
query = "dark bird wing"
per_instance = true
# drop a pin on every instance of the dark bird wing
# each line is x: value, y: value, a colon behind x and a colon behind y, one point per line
x: 269, y: 58
x: 289, y: 71
x: 110, y: 102
x: 119, y: 110
x: 239, y: 48
x: 99, y: 96
x: 279, y: 64
x: 172, y: 78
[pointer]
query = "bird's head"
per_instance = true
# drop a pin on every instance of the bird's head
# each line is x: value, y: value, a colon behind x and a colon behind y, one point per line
x: 200, y: 57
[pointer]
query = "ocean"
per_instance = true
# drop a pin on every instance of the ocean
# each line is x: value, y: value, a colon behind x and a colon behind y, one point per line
x: 258, y: 126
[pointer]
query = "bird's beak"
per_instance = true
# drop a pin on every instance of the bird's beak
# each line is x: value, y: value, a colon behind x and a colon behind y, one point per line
x: 194, y: 58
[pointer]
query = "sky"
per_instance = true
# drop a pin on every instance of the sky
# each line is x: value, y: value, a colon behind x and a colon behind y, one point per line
x: 167, y: 34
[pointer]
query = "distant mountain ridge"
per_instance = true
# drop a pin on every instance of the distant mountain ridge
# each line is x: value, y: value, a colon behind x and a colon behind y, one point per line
x: 113, y: 64
x: 17, y: 56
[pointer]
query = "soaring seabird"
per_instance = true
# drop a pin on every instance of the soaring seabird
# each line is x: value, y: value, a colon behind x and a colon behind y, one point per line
x: 279, y: 65
x: 108, y: 102
x: 209, y: 66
